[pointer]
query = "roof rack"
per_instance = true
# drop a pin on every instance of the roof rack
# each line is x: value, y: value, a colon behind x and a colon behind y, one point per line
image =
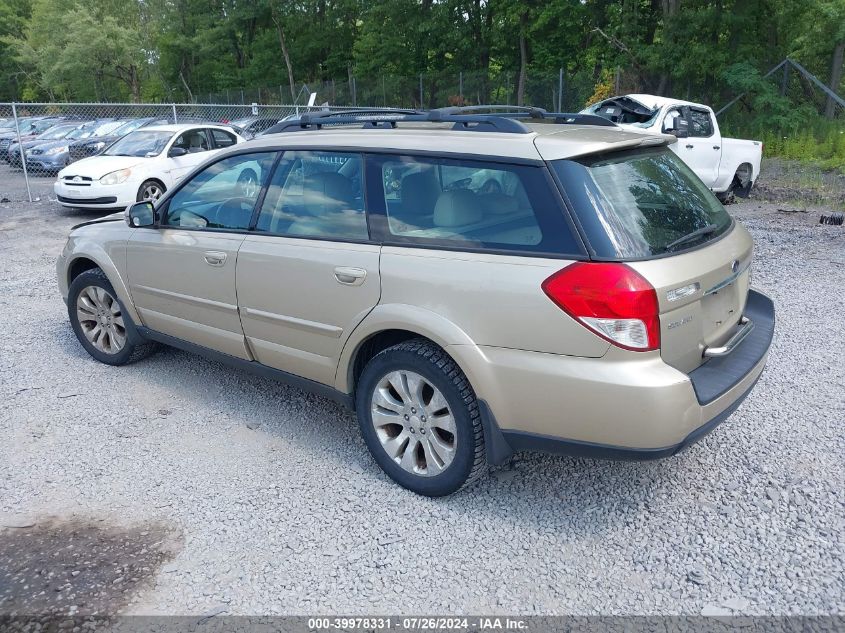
x: 481, y: 118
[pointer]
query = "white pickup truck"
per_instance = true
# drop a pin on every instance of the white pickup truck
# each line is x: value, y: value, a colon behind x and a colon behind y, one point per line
x: 729, y: 166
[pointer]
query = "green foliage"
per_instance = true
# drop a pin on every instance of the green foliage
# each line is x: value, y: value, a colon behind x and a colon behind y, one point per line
x: 466, y: 50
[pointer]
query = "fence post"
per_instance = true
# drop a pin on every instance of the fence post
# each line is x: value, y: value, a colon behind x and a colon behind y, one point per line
x: 175, y: 120
x: 422, y: 102
x: 560, y: 91
x: 461, y: 86
x: 20, y: 149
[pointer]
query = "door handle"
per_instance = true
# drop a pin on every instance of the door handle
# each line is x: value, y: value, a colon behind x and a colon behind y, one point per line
x: 689, y: 146
x: 715, y: 147
x: 350, y: 276
x: 215, y: 258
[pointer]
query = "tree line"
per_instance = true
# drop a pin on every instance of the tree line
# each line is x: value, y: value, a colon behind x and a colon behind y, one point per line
x: 180, y: 50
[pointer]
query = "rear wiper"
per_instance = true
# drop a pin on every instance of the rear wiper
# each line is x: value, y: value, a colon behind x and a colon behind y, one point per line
x: 689, y: 237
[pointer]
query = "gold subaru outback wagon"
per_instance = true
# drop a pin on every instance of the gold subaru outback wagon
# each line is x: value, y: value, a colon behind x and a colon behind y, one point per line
x: 471, y: 284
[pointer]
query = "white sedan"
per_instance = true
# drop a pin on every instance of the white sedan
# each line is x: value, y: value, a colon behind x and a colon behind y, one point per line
x: 140, y: 166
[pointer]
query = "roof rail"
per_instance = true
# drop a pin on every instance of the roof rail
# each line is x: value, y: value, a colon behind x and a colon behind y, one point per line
x: 388, y: 119
x: 533, y: 112
x: 466, y: 118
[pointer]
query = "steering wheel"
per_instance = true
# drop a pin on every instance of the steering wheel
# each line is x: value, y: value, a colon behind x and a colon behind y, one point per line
x: 235, y: 206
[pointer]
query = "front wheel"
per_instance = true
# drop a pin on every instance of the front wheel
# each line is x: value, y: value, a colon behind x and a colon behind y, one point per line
x: 150, y: 190
x: 101, y: 324
x: 420, y: 419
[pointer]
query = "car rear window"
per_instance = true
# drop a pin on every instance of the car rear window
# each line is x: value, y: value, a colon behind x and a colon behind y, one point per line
x: 641, y: 203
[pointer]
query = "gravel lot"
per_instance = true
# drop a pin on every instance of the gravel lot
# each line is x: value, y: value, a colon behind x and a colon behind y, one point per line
x: 277, y: 507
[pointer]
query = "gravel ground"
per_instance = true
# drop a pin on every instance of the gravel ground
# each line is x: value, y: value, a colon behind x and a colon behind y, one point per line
x: 279, y: 509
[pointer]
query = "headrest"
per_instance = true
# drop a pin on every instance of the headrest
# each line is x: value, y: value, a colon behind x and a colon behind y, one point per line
x: 419, y: 192
x: 326, y: 192
x: 458, y: 207
x: 498, y: 203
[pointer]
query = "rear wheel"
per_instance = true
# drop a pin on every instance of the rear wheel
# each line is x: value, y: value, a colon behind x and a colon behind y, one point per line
x: 100, y: 322
x: 419, y: 417
x: 150, y: 190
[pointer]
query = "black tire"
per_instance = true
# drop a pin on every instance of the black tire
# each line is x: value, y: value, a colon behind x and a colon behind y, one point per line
x: 437, y: 367
x: 135, y: 347
x: 727, y: 197
x: 141, y: 195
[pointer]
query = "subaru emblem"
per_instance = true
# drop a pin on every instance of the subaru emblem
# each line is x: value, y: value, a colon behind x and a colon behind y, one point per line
x: 79, y: 179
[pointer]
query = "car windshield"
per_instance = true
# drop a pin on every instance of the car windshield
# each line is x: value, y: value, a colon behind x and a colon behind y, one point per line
x: 107, y: 128
x: 129, y: 126
x: 626, y: 111
x: 81, y: 131
x: 59, y: 131
x: 641, y: 203
x: 140, y: 143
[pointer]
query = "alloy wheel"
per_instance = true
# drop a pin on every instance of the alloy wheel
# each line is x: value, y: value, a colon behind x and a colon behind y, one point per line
x: 101, y: 319
x: 151, y: 192
x: 414, y: 423
x: 248, y: 184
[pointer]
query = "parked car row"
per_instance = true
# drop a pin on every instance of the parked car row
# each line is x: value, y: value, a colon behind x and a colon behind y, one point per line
x: 53, y: 142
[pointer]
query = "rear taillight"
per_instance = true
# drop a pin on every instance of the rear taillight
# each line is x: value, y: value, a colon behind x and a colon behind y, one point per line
x: 613, y: 300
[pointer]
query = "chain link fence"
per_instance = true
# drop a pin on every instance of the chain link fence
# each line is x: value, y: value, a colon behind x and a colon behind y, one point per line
x: 37, y: 140
x: 557, y: 90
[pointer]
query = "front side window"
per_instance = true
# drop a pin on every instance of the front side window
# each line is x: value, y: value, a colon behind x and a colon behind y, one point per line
x: 221, y: 196
x: 316, y: 194
x: 640, y: 203
x: 470, y: 204
x: 192, y: 141
x: 700, y: 123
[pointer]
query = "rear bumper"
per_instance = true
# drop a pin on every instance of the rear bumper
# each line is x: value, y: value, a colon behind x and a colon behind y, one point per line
x: 615, y: 407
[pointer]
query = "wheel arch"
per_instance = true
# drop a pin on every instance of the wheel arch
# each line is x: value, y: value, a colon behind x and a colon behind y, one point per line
x: 95, y: 256
x: 155, y: 179
x: 388, y: 325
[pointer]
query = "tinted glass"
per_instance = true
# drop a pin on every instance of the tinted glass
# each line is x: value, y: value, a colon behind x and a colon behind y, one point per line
x: 223, y: 139
x: 641, y: 203
x: 470, y: 204
x: 700, y: 123
x: 221, y: 196
x: 140, y: 143
x: 316, y: 194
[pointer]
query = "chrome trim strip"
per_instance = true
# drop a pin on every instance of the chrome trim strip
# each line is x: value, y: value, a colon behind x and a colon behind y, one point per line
x: 729, y: 280
x: 746, y: 325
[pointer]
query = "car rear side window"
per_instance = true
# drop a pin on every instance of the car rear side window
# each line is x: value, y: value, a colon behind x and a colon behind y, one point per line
x: 222, y: 138
x: 459, y: 203
x: 641, y: 203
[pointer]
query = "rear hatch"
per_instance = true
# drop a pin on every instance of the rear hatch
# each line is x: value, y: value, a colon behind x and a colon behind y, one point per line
x: 646, y: 208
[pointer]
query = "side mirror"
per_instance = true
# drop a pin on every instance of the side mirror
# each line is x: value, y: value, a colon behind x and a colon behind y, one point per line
x: 176, y: 152
x: 140, y: 214
x: 677, y: 127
